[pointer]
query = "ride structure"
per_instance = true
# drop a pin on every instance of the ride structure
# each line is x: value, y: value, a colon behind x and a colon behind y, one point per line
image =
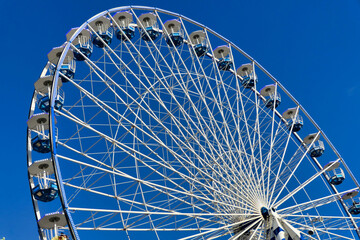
x: 166, y: 134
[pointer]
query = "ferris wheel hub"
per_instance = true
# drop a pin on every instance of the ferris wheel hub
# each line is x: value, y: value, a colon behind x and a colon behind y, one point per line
x: 265, y: 212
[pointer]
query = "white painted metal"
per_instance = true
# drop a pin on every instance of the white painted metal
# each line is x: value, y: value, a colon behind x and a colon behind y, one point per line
x: 40, y: 167
x: 290, y: 113
x: 101, y: 21
x: 311, y: 138
x: 173, y: 25
x: 162, y: 140
x: 147, y: 19
x: 55, y: 53
x: 245, y: 69
x: 82, y: 34
x: 332, y: 165
x: 350, y: 194
x: 221, y: 51
x: 123, y: 18
x: 197, y: 37
x: 43, y: 84
x: 268, y: 90
x: 49, y: 220
x: 39, y: 120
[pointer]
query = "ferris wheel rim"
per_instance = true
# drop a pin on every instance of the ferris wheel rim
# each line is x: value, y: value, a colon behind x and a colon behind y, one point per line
x: 67, y: 47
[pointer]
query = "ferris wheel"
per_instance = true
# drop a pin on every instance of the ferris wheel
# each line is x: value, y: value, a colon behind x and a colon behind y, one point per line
x: 147, y: 124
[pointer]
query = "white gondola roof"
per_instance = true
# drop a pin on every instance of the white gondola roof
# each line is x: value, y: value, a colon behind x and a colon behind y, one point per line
x: 290, y: 113
x: 43, y: 84
x: 83, y: 32
x: 221, y: 51
x: 311, y: 138
x: 55, y: 54
x: 334, y: 166
x: 49, y: 220
x: 245, y: 69
x: 268, y: 90
x: 173, y: 25
x: 123, y: 18
x: 38, y: 120
x: 147, y: 19
x: 349, y: 194
x: 40, y: 166
x: 197, y: 37
x: 101, y: 20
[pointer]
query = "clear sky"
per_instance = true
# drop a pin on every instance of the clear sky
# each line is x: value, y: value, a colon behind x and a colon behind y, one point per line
x: 311, y: 47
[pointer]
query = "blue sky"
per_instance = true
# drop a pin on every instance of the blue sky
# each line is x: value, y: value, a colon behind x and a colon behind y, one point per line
x: 311, y: 47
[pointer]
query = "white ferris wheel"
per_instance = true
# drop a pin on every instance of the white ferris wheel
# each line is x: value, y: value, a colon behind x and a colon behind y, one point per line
x: 170, y: 131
